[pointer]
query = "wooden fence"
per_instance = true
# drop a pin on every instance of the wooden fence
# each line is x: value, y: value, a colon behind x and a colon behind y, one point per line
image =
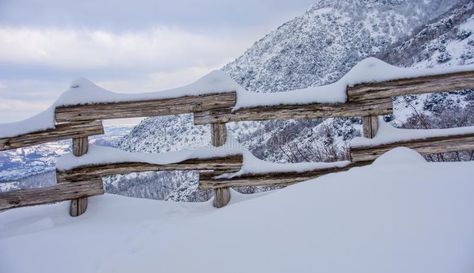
x: 78, y: 122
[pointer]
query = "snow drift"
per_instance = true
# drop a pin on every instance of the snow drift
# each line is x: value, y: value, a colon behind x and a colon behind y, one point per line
x: 400, y: 214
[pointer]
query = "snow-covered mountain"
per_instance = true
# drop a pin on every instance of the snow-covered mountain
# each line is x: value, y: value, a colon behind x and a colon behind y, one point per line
x: 442, y: 36
x: 323, y: 44
x: 318, y: 48
x: 313, y: 49
x: 445, y: 40
x: 34, y: 166
x: 165, y: 134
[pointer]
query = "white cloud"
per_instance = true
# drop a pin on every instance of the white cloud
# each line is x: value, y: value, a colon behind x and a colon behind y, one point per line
x: 156, y: 81
x: 15, y: 110
x: 14, y: 105
x: 150, y: 60
x: 159, y: 48
x: 125, y: 46
x: 23, y: 99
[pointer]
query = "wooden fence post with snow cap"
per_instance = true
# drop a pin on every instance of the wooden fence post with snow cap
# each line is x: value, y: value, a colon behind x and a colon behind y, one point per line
x: 80, y: 146
x: 370, y: 126
x: 218, y: 138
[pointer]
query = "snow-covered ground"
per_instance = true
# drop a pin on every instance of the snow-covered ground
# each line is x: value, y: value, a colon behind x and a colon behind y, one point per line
x: 401, y: 214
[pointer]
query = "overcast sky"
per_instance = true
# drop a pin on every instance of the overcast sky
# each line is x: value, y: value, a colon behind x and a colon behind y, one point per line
x: 124, y: 46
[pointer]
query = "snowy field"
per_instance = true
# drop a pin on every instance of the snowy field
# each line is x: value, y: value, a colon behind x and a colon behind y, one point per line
x: 401, y: 214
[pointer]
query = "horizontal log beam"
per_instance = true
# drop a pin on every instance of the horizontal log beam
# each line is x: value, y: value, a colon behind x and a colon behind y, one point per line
x: 412, y: 86
x: 228, y: 163
x: 61, y: 132
x: 309, y: 111
x: 208, y: 180
x: 432, y: 145
x: 56, y: 193
x: 145, y: 108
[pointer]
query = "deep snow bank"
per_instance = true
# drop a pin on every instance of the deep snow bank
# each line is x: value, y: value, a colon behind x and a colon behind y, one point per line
x: 401, y: 214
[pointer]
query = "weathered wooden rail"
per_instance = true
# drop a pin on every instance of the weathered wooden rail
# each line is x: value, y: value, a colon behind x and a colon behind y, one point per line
x: 148, y: 108
x: 62, y: 131
x: 57, y: 193
x: 298, y: 112
x: 217, y: 164
x: 78, y: 122
x: 431, y: 145
x: 411, y: 86
x: 211, y: 181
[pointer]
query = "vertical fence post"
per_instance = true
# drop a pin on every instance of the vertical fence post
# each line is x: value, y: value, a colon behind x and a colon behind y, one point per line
x: 218, y: 138
x: 80, y: 146
x: 370, y: 126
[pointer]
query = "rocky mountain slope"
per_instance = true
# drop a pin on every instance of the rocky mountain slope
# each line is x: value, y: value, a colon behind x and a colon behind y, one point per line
x: 444, y: 41
x: 323, y: 44
x: 318, y: 48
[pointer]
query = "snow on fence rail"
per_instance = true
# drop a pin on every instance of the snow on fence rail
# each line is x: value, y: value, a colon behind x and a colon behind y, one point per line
x: 425, y: 141
x: 297, y: 111
x: 366, y: 91
x: 275, y: 178
x: 369, y: 77
x: 411, y: 86
x: 106, y: 161
x: 146, y: 108
x: 62, y: 131
x: 56, y: 193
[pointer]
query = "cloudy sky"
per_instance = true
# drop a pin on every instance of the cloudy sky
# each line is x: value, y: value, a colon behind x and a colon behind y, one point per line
x: 124, y: 46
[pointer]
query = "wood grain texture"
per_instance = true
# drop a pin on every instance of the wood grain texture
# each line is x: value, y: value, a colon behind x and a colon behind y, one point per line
x: 283, y: 112
x: 218, y: 138
x: 80, y: 145
x: 145, y: 108
x: 424, y: 146
x: 209, y: 181
x: 370, y: 126
x: 78, y: 206
x: 221, y: 197
x: 218, y: 134
x: 232, y: 163
x: 57, y: 193
x: 412, y: 86
x: 62, y: 131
